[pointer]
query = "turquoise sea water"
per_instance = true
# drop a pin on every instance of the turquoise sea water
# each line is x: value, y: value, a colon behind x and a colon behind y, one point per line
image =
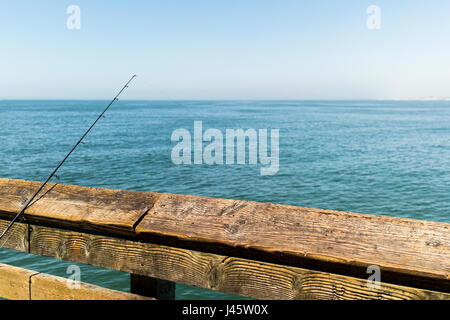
x: 381, y: 157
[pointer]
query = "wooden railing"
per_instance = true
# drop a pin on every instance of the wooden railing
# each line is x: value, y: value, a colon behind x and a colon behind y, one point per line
x: 257, y: 250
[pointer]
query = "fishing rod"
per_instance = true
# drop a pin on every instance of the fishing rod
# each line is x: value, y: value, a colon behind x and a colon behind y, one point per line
x: 21, y: 213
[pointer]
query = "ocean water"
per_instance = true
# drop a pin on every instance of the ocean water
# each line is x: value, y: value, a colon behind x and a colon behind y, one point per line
x: 380, y: 157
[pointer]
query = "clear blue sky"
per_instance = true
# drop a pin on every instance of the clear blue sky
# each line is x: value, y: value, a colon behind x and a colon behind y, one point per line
x: 225, y: 49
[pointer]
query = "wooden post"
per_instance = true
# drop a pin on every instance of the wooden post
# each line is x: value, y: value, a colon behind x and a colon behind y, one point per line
x: 152, y: 287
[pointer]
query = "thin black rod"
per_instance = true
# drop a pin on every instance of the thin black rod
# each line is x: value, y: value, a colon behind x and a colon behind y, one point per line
x: 19, y: 215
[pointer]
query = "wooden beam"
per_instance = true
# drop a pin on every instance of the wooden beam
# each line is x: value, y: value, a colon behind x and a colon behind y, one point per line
x: 245, y: 277
x: 95, y: 209
x: 22, y: 284
x: 17, y: 236
x: 15, y: 282
x: 334, y: 241
x: 409, y: 252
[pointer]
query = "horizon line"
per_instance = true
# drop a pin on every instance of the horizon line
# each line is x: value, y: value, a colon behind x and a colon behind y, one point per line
x: 351, y: 99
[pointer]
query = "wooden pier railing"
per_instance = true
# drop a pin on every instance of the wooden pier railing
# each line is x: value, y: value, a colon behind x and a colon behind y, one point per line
x: 257, y: 250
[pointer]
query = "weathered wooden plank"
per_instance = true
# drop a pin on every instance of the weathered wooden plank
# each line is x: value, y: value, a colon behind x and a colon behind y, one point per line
x: 113, y: 211
x: 410, y: 252
x: 17, y: 236
x: 152, y: 287
x: 48, y: 287
x: 22, y: 284
x: 15, y: 282
x: 348, y: 242
x: 237, y: 276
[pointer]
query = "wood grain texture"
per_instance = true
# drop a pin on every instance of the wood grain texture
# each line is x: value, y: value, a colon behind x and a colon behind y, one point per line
x: 48, y: 287
x: 238, y: 276
x: 22, y: 284
x: 15, y: 282
x: 409, y: 252
x: 97, y: 209
x: 16, y: 238
x: 301, y: 236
